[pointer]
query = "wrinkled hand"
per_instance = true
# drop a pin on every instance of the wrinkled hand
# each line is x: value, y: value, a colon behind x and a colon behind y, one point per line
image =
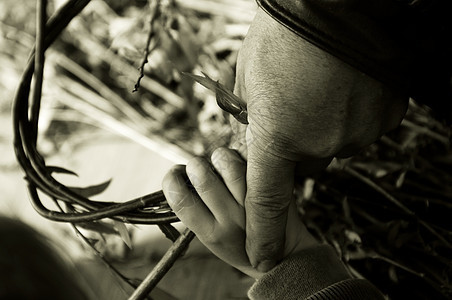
x: 304, y: 108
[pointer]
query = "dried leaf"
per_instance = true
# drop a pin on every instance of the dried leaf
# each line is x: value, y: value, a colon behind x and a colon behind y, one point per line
x: 308, y: 188
x: 225, y: 98
x: 170, y: 232
x: 99, y: 227
x: 392, y: 273
x: 378, y: 169
x: 400, y: 180
x: 69, y: 207
x: 353, y: 237
x: 60, y: 170
x: 91, y: 190
x: 206, y: 81
x: 93, y: 242
x: 123, y: 233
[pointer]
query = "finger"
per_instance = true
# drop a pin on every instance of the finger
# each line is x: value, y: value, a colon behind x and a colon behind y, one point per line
x: 270, y: 181
x: 232, y: 169
x: 187, y: 205
x: 212, y: 190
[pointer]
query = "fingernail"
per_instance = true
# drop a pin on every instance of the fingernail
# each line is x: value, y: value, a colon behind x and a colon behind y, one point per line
x: 266, y: 265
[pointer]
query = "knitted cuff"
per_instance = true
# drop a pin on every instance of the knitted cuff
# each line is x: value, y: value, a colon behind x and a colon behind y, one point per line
x: 301, y: 275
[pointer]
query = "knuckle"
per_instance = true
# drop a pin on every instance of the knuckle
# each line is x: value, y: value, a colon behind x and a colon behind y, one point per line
x: 294, y: 141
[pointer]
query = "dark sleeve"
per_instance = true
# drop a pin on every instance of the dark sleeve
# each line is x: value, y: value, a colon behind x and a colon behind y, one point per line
x: 404, y: 43
x: 315, y: 274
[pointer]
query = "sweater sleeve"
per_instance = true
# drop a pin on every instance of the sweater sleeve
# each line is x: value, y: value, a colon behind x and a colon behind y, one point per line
x: 315, y: 273
x: 406, y: 44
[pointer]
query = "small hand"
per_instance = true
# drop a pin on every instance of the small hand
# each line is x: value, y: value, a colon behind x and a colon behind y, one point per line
x: 215, y: 211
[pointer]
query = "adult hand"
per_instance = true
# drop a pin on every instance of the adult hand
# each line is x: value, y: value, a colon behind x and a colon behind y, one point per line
x: 304, y: 107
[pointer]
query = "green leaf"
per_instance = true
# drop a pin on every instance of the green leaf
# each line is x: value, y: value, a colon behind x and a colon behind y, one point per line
x: 91, y: 190
x: 170, y: 232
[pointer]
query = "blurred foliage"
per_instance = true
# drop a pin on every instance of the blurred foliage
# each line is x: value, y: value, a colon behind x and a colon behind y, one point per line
x: 109, y: 41
x: 16, y: 26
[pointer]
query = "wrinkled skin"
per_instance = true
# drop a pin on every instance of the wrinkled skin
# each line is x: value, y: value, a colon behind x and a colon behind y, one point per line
x: 305, y: 107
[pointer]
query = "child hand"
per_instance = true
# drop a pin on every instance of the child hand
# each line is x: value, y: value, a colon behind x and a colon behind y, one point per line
x: 215, y: 211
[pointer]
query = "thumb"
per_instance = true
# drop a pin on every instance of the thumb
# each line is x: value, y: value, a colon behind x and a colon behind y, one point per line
x: 270, y: 181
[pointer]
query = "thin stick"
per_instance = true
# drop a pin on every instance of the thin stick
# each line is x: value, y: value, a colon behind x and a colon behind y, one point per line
x: 91, y: 45
x: 155, y: 13
x: 163, y: 265
x: 405, y: 209
x: 396, y: 264
x: 39, y: 66
x: 424, y: 130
